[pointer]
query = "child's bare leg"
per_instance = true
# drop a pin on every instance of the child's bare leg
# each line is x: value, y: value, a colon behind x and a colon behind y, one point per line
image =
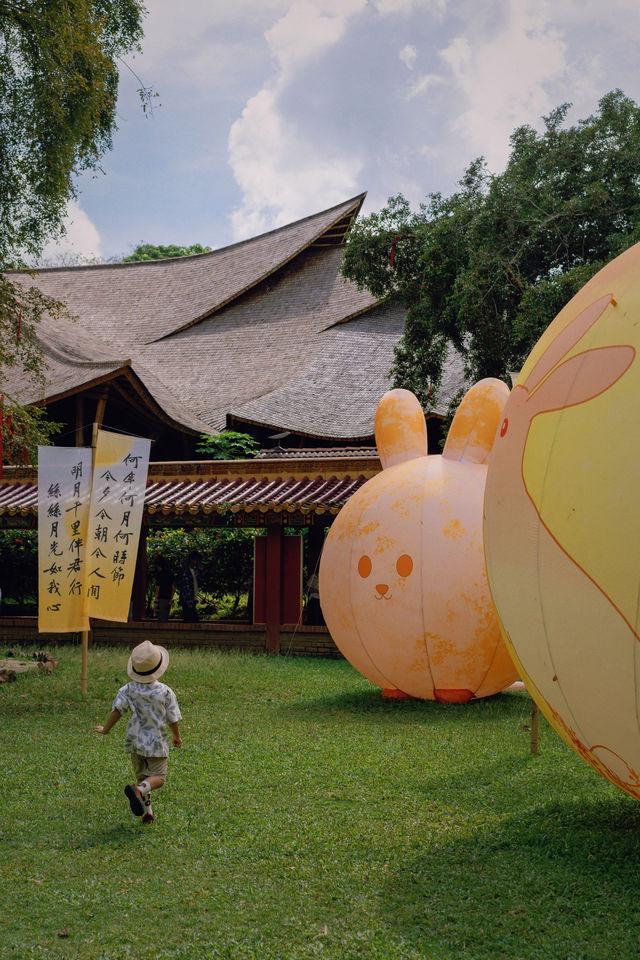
x: 153, y: 783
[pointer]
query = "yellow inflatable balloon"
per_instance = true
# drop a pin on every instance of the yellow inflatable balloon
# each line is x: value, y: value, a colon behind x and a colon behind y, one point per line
x: 403, y: 586
x: 562, y: 524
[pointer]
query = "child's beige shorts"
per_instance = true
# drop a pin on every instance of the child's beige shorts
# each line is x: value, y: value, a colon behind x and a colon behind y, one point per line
x: 144, y: 767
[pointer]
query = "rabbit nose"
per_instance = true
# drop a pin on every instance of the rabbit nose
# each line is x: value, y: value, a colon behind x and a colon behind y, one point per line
x: 382, y: 588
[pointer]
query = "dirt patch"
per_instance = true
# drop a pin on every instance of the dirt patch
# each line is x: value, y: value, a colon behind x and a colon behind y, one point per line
x: 12, y: 665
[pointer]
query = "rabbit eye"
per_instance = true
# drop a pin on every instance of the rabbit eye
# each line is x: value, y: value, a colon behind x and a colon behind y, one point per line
x: 364, y: 566
x: 504, y: 427
x: 404, y: 566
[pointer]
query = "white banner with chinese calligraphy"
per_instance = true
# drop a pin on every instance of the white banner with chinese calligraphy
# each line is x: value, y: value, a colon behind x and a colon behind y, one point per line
x: 64, y: 491
x: 120, y: 471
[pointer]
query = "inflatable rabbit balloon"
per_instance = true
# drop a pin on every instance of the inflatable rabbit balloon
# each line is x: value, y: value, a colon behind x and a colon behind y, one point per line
x: 403, y: 586
x: 562, y: 524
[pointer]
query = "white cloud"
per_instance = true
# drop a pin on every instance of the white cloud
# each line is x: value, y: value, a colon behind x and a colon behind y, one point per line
x: 80, y: 242
x: 423, y: 84
x: 287, y: 167
x: 505, y: 75
x: 387, y: 7
x: 307, y: 29
x: 282, y: 177
x: 203, y: 39
x: 408, y: 56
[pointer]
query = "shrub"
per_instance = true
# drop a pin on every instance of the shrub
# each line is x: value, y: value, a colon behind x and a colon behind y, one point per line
x: 228, y: 445
x: 19, y: 566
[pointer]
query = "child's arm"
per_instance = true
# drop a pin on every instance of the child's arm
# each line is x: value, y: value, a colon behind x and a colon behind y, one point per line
x: 176, y: 739
x: 112, y: 719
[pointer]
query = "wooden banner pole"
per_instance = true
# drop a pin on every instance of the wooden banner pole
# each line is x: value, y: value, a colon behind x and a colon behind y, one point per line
x: 85, y: 634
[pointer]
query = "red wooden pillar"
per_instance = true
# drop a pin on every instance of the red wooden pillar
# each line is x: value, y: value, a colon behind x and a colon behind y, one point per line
x: 139, y: 590
x: 275, y: 536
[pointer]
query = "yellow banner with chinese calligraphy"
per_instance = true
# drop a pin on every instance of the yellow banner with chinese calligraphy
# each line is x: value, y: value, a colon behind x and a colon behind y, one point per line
x: 64, y: 491
x: 120, y: 471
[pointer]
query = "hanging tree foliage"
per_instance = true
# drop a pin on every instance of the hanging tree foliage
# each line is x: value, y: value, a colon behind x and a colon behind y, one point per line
x: 58, y: 91
x: 487, y: 269
x: 22, y: 428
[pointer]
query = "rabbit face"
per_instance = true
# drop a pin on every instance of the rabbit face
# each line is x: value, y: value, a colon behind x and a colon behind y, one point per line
x: 385, y: 591
x: 402, y: 579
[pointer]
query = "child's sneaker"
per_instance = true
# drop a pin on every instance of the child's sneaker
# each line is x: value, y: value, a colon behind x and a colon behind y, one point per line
x: 136, y: 800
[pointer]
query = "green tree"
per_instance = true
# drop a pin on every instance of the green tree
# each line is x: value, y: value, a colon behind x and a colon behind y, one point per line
x: 150, y: 251
x: 58, y: 91
x: 486, y: 269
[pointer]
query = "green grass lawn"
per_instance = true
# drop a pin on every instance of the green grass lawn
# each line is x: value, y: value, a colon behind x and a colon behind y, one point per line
x: 305, y: 817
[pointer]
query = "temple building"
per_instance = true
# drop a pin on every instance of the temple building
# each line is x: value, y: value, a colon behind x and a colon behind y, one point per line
x: 263, y: 336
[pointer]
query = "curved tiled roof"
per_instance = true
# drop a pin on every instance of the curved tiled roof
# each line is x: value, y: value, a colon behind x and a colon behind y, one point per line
x: 142, y: 302
x: 303, y: 453
x: 264, y: 332
x: 182, y: 498
x: 348, y: 365
x: 76, y: 361
x: 313, y: 494
x: 264, y: 342
x: 320, y: 485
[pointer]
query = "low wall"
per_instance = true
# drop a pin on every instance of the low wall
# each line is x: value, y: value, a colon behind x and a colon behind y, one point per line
x: 295, y: 640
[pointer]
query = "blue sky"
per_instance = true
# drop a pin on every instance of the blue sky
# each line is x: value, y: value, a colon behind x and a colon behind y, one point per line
x: 271, y: 110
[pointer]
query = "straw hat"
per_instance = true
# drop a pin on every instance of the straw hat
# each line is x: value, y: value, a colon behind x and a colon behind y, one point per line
x: 148, y: 661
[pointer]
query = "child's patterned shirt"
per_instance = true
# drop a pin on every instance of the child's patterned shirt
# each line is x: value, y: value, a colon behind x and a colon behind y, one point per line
x: 153, y: 707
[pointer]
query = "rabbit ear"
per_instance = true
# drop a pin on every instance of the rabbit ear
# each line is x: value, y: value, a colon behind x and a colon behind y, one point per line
x: 476, y: 422
x: 564, y: 342
x: 582, y: 377
x: 401, y: 431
